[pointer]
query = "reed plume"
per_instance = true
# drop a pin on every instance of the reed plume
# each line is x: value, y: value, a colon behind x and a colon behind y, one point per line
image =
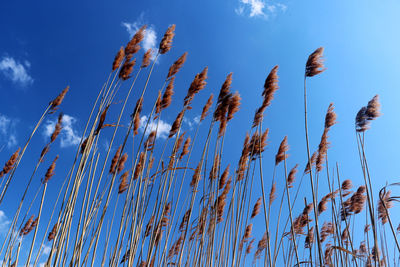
x: 206, y: 107
x: 114, y: 161
x: 283, y: 148
x: 256, y: 208
x: 166, y: 42
x: 198, y: 83
x: 10, y: 163
x: 315, y: 63
x: 119, y: 57
x: 147, y: 58
x: 132, y: 45
x: 57, y: 128
x: 58, y: 100
x: 174, y: 69
x: 167, y: 96
x: 50, y: 171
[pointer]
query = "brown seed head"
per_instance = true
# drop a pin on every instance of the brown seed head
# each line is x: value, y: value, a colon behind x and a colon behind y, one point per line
x: 131, y: 47
x: 197, y: 84
x: 167, y: 97
x: 234, y: 104
x: 115, y: 160
x: 50, y: 171
x: 330, y: 118
x: 256, y: 208
x: 58, y: 100
x: 292, y: 175
x: 206, y: 107
x: 166, y: 42
x: 283, y: 148
x: 147, y: 58
x: 315, y: 63
x: 176, y: 125
x: 118, y: 58
x: 57, y: 128
x: 124, y: 183
x: 10, y: 163
x: 185, y: 149
x: 177, y: 65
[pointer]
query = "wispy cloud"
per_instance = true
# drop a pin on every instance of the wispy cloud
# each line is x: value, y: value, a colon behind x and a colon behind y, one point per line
x: 68, y: 136
x: 16, y: 71
x: 4, y: 222
x: 8, y: 132
x: 259, y: 8
x: 150, y: 37
x: 162, y: 129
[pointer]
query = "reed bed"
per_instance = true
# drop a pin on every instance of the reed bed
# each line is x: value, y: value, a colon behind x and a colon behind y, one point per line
x: 149, y: 201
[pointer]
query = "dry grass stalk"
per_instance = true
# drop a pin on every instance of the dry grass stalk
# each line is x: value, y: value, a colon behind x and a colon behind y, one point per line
x: 309, y: 238
x: 198, y: 83
x: 101, y: 120
x: 387, y: 202
x: 149, y: 144
x: 127, y: 68
x: 312, y: 161
x: 367, y: 113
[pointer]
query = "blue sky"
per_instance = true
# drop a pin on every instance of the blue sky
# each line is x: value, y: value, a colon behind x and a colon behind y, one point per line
x: 46, y: 45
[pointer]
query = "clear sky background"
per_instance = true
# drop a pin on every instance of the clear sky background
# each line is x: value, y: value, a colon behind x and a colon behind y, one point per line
x: 46, y: 45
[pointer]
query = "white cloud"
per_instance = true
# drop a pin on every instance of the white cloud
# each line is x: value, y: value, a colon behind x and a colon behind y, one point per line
x: 68, y: 135
x: 16, y: 71
x: 162, y: 129
x: 259, y: 8
x: 4, y: 223
x: 8, y: 131
x: 46, y: 249
x: 191, y: 122
x: 150, y: 37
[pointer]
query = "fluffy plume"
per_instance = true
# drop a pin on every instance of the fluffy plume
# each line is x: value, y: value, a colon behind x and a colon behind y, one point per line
x: 115, y: 160
x: 146, y: 58
x: 272, y: 194
x: 127, y: 68
x: 136, y: 115
x: 101, y: 120
x: 132, y: 46
x: 384, y: 204
x: 283, y: 148
x: 198, y: 83
x: 124, y: 183
x: 206, y: 108
x: 167, y: 97
x: 311, y: 163
x: 185, y: 149
x: 58, y: 100
x: 270, y: 87
x: 322, y: 150
x: 166, y: 42
x: 173, y: 70
x: 10, y: 163
x: 50, y: 171
x: 175, y: 126
x: 122, y: 161
x: 224, y: 177
x: 118, y: 58
x: 309, y: 238
x: 53, y: 232
x: 234, y: 104
x: 315, y: 63
x: 149, y: 144
x: 57, y: 128
x: 330, y: 118
x: 256, y: 208
x: 292, y: 175
x: 45, y: 150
